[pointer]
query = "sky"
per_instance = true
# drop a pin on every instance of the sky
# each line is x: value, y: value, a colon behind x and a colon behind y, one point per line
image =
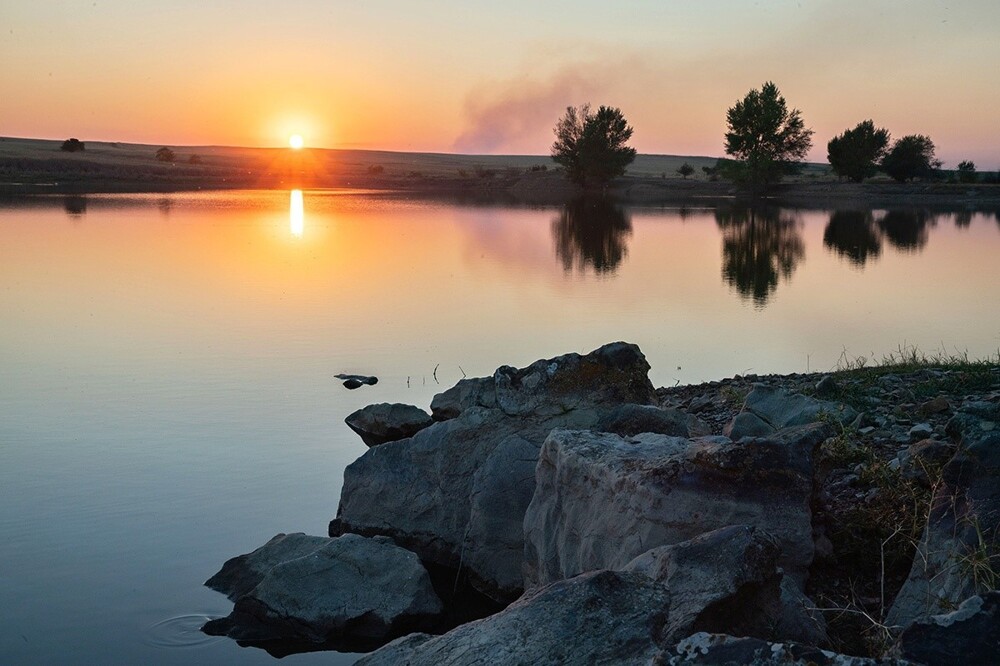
x: 460, y: 76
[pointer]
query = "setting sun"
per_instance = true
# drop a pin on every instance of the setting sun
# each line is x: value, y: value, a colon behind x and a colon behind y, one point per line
x: 295, y: 141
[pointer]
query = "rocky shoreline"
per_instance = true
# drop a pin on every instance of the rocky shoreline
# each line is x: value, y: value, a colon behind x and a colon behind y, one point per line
x: 568, y: 512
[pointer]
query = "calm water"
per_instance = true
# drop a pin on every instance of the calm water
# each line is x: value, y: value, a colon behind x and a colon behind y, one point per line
x: 167, y: 398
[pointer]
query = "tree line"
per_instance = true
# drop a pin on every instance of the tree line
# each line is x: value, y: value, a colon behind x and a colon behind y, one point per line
x: 765, y: 140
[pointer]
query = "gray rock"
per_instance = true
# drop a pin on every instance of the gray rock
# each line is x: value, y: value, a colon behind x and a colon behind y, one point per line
x: 353, y: 384
x: 601, y: 500
x: 706, y: 649
x: 387, y: 422
x: 782, y: 408
x: 244, y: 572
x: 628, y: 420
x: 963, y: 530
x: 724, y: 579
x: 827, y: 385
x: 456, y: 492
x: 923, y: 457
x: 747, y: 424
x: 348, y: 589
x: 600, y: 617
x: 968, y: 635
x: 920, y: 431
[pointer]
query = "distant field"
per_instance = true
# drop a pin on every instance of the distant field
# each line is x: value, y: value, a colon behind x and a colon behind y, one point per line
x: 36, y: 160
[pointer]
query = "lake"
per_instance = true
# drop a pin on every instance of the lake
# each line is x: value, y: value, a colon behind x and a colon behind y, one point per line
x: 167, y: 397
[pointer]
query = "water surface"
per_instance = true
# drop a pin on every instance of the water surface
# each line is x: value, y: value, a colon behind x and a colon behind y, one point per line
x: 167, y: 398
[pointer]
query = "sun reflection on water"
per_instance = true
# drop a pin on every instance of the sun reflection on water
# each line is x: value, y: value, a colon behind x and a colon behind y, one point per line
x: 296, y: 214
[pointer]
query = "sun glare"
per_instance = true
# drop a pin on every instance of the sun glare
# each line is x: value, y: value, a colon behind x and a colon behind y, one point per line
x: 296, y: 142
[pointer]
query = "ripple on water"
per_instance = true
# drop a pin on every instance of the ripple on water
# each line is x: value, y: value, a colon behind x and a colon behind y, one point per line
x: 182, y: 631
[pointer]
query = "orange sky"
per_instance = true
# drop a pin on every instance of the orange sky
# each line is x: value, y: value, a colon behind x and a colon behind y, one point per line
x: 452, y: 77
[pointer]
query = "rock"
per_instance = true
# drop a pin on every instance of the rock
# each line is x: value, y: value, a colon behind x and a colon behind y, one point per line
x: 969, y: 635
x: 706, y: 649
x: 747, y: 424
x: 961, y: 536
x: 599, y: 617
x: 927, y: 455
x: 601, y: 500
x: 699, y: 403
x: 357, y: 381
x: 456, y: 491
x: 348, y: 590
x: 629, y: 420
x: 715, y: 581
x: 781, y: 408
x: 920, y: 431
x: 934, y: 406
x: 387, y: 422
x: 827, y: 385
x: 243, y: 573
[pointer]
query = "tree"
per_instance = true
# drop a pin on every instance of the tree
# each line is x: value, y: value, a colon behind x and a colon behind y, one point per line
x: 685, y: 170
x: 857, y: 152
x: 72, y: 145
x: 765, y: 138
x: 165, y: 155
x: 911, y: 157
x: 591, y: 146
x: 967, y: 171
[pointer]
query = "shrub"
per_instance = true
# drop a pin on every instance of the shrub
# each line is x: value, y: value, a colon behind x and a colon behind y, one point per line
x: 72, y: 146
x: 165, y: 155
x: 967, y: 171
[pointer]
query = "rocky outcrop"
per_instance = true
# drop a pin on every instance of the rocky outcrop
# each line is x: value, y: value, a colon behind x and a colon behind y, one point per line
x: 349, y: 591
x: 601, y: 500
x: 960, y: 547
x: 456, y: 492
x: 969, y: 635
x: 706, y: 649
x: 715, y: 582
x: 387, y: 422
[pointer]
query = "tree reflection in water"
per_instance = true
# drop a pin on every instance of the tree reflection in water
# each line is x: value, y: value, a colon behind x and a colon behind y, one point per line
x: 75, y: 205
x: 906, y: 230
x: 852, y: 234
x: 591, y: 232
x: 759, y: 246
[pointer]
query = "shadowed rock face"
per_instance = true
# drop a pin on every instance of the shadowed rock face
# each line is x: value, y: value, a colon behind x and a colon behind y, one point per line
x: 707, y: 649
x: 601, y: 500
x: 319, y: 590
x: 961, y: 542
x: 726, y: 579
x: 456, y: 492
x: 967, y: 635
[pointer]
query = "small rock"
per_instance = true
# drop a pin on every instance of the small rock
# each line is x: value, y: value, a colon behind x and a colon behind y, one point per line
x: 935, y: 406
x: 357, y: 381
x: 699, y: 403
x: 894, y: 464
x: 388, y: 422
x: 747, y: 424
x: 867, y: 430
x: 920, y: 431
x: 353, y: 384
x: 827, y: 385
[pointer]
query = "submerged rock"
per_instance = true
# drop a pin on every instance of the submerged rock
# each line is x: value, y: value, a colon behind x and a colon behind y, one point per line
x: 349, y: 591
x: 387, y: 422
x: 456, y: 492
x: 601, y: 500
x: 357, y: 381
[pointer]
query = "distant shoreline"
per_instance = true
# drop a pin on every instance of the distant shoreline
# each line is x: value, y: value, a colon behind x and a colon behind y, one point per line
x: 34, y: 167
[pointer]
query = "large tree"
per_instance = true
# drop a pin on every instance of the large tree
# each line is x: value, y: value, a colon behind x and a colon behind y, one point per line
x: 857, y: 152
x: 911, y: 157
x: 766, y: 139
x: 591, y: 146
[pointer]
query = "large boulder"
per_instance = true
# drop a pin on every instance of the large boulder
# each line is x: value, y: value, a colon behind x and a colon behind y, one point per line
x: 628, y: 420
x: 348, y: 591
x: 969, y: 635
x: 456, y: 492
x: 601, y: 500
x: 714, y: 583
x: 960, y: 547
x: 387, y: 422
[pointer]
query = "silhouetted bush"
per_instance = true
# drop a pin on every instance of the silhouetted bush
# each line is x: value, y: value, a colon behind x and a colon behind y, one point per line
x: 856, y: 153
x: 376, y: 169
x: 911, y: 157
x: 72, y: 146
x: 685, y: 170
x: 483, y: 172
x: 165, y: 155
x: 194, y: 159
x: 967, y: 171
